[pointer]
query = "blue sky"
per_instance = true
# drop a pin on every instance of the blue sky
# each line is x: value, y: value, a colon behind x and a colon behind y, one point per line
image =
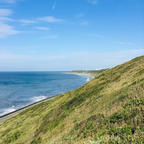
x: 69, y: 34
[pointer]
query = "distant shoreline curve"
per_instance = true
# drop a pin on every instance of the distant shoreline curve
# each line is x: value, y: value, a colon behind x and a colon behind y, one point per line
x: 82, y: 74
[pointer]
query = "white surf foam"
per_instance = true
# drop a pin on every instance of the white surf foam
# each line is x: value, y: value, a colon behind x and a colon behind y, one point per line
x: 88, y: 79
x: 7, y: 110
x: 38, y: 98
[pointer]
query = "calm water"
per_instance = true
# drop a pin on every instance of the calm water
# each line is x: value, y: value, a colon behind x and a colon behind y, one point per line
x: 19, y: 89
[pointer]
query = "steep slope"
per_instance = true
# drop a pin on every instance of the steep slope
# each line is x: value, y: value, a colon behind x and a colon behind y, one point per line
x: 108, y: 109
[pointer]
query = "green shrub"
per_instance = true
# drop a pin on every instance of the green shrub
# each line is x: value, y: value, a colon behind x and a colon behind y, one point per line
x: 36, y: 141
x: 121, y: 132
x: 12, y: 137
x: 117, y: 117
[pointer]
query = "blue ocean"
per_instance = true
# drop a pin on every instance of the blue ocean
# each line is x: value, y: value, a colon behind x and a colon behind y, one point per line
x: 19, y: 89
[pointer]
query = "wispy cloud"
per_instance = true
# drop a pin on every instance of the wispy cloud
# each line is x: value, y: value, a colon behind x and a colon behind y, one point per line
x: 7, y: 30
x: 26, y: 21
x: 50, y: 19
x: 4, y: 15
x: 94, y: 2
x: 2, y: 19
x: 43, y: 28
x: 54, y: 6
x: 5, y: 12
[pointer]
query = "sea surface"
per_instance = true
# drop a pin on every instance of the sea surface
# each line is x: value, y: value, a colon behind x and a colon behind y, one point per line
x: 19, y: 89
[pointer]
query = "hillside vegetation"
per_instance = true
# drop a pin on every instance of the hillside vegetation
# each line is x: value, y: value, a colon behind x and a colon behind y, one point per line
x: 109, y: 109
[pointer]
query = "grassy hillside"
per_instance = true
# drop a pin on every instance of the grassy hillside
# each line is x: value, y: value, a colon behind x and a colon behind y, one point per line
x: 108, y: 109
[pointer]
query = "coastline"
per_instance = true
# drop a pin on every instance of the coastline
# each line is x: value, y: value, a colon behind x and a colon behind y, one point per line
x: 16, y: 112
x: 88, y: 75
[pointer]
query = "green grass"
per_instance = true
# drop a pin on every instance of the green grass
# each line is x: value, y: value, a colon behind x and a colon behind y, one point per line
x: 109, y: 109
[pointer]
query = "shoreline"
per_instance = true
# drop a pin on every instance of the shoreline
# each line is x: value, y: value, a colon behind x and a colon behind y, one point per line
x: 88, y: 75
x: 16, y: 112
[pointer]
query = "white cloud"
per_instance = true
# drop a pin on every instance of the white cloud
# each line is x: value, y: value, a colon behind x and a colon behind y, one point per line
x: 4, y: 15
x: 54, y: 6
x: 7, y: 30
x: 50, y: 19
x: 94, y: 2
x: 26, y: 22
x: 5, y: 12
x: 6, y: 19
x: 43, y: 28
